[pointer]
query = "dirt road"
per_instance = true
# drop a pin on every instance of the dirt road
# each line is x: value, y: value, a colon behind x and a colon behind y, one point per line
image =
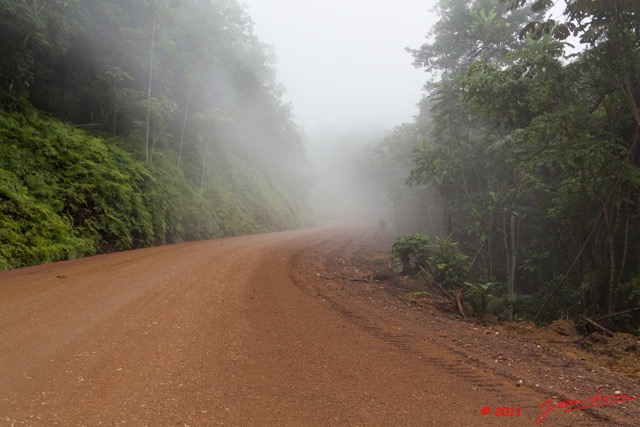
x: 247, y: 331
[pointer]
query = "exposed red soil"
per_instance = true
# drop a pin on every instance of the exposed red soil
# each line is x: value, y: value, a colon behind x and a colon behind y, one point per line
x: 284, y: 329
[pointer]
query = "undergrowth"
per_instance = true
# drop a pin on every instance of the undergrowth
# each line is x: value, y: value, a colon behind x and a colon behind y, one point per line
x: 66, y: 194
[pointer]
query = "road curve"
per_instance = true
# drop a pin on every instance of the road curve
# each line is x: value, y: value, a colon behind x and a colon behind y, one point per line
x: 224, y: 332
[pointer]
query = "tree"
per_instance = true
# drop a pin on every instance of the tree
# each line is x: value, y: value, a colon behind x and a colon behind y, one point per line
x: 609, y: 31
x: 479, y: 187
x: 535, y: 157
x: 33, y: 31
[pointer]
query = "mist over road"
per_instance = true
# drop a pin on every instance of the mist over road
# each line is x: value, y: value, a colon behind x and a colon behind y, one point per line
x: 238, y: 331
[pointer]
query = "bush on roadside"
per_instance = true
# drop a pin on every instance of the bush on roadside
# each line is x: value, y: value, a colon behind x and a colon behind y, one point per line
x: 441, y: 258
x: 411, y: 251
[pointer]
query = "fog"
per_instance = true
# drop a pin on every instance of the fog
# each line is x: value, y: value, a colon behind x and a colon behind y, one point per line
x: 349, y: 79
x: 344, y: 61
x: 340, y: 188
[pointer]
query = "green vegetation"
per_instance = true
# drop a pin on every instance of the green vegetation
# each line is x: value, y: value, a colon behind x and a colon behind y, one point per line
x: 530, y: 157
x: 126, y: 124
x: 412, y: 252
x: 441, y: 260
x: 66, y: 194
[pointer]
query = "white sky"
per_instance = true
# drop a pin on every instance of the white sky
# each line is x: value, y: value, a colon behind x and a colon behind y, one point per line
x: 343, y: 62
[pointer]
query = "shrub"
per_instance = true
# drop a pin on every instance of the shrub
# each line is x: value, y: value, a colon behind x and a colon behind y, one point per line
x: 451, y: 265
x: 442, y: 258
x: 479, y: 296
x: 31, y: 232
x: 65, y: 193
x: 411, y: 251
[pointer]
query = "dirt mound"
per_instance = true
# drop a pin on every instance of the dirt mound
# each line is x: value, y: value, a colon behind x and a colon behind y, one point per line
x: 563, y: 327
x: 620, y: 353
x: 547, y: 360
x: 519, y: 328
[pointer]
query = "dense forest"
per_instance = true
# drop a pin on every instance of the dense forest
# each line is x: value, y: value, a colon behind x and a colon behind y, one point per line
x: 126, y: 124
x: 130, y: 123
x: 525, y: 152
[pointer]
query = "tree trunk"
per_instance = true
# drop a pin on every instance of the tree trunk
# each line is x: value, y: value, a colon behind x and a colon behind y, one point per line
x: 609, y: 246
x: 612, y: 275
x: 184, y: 124
x: 154, y: 139
x: 25, y: 41
x: 513, y: 253
x: 507, y: 244
x: 204, y: 167
x: 115, y: 120
x: 151, y: 55
x: 510, y: 243
x: 625, y: 247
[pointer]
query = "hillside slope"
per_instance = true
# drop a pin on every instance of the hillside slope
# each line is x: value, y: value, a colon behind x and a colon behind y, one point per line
x: 65, y: 194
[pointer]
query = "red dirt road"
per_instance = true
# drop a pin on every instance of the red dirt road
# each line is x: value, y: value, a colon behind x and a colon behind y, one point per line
x: 237, y: 332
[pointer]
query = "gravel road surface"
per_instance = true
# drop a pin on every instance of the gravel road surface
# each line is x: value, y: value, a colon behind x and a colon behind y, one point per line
x: 237, y: 332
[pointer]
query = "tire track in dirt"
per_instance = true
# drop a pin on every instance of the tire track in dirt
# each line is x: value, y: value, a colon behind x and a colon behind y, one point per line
x: 233, y: 332
x: 434, y: 353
